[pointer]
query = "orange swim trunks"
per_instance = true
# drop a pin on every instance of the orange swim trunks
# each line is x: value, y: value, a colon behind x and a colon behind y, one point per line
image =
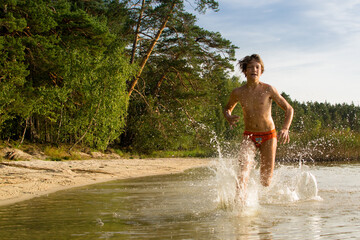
x: 259, y: 137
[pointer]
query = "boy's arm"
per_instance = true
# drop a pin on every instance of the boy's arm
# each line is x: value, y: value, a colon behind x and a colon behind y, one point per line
x: 233, y: 100
x: 289, y: 113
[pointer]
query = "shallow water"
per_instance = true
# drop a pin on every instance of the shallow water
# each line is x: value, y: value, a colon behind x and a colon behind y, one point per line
x: 194, y: 205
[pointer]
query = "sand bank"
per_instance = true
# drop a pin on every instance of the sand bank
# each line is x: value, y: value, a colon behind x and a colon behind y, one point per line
x: 22, y: 180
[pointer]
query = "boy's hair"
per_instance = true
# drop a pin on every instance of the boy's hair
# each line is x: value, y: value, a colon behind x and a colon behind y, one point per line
x: 246, y: 60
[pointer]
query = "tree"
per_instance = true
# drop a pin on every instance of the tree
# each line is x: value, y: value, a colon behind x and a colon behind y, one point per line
x: 179, y: 87
x: 159, y: 13
x: 71, y: 72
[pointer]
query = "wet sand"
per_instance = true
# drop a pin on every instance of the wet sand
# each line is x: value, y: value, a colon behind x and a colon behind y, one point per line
x: 22, y: 180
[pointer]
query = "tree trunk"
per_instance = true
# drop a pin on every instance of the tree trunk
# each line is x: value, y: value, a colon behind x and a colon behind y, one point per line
x: 33, y: 125
x: 137, y: 32
x: 60, y: 123
x: 150, y: 49
x: 158, y: 85
x: 23, y: 135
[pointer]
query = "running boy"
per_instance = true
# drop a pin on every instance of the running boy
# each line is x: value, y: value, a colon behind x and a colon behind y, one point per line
x: 255, y: 98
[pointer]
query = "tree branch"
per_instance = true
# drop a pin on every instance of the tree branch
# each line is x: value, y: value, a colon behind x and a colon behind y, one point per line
x: 150, y: 49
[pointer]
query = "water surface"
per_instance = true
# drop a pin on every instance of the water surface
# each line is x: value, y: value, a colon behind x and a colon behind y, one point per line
x: 191, y: 206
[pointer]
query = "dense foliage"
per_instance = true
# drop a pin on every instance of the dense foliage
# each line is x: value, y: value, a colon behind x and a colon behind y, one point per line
x: 133, y: 74
x: 63, y: 74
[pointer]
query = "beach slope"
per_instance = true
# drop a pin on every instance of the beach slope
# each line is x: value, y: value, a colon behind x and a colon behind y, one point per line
x: 22, y: 180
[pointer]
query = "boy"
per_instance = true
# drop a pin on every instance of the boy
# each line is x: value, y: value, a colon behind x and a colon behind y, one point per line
x: 255, y: 98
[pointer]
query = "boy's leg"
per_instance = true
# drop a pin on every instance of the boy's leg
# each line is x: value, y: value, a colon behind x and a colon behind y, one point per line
x: 267, y: 160
x: 246, y: 160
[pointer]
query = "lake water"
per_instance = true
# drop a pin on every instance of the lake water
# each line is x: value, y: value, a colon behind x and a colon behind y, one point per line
x: 196, y: 205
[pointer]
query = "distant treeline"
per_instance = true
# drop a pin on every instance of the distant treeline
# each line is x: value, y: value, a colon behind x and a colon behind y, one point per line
x: 322, y: 131
x: 313, y: 116
x: 135, y: 75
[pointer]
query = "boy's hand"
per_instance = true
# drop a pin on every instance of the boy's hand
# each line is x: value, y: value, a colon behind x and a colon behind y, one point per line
x: 232, y: 119
x: 284, y: 136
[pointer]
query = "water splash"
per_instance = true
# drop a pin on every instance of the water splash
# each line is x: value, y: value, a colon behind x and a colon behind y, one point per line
x: 230, y: 193
x: 289, y: 183
x: 99, y: 222
x: 310, y: 150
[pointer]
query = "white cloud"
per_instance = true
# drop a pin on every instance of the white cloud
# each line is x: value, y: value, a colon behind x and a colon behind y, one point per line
x: 338, y: 16
x: 322, y: 76
x: 247, y: 3
x: 311, y: 49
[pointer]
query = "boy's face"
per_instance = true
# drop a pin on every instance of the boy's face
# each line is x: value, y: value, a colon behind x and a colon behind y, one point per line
x: 253, y: 70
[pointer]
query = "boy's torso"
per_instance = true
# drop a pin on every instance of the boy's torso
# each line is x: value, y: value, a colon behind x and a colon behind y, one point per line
x: 256, y: 104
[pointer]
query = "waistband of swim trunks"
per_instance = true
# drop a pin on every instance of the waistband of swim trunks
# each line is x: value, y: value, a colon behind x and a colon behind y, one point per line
x: 260, y: 133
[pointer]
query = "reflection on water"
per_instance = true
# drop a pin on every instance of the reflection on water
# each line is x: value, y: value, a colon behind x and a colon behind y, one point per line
x: 190, y: 206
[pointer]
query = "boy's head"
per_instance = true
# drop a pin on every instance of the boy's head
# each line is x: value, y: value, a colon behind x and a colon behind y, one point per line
x: 246, y: 60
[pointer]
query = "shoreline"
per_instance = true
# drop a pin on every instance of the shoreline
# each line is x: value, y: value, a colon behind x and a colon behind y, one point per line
x: 24, y: 180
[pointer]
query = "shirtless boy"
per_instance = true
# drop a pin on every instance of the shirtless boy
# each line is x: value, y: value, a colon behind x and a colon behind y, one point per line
x: 255, y: 98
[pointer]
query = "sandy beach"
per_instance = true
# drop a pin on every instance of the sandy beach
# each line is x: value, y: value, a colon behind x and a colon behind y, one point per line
x: 22, y: 180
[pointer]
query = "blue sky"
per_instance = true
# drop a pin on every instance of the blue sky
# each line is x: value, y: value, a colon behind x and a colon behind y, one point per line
x: 311, y: 48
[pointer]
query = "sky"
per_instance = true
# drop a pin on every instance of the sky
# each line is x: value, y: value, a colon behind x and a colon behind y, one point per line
x: 310, y: 48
